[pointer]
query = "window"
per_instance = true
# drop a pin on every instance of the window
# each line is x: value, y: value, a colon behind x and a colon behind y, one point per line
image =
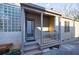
x: 67, y: 27
x: 10, y: 19
x: 5, y: 25
x: 15, y: 26
x: 1, y: 25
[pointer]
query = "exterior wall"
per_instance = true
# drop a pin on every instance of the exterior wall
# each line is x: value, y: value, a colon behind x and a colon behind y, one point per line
x: 66, y: 36
x: 10, y: 30
x: 76, y: 29
x: 11, y: 37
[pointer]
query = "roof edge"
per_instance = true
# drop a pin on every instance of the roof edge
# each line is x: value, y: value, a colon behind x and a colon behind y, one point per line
x: 40, y: 8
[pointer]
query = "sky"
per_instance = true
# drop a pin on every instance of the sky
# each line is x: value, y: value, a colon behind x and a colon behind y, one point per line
x: 66, y: 9
x: 63, y: 8
x: 50, y: 5
x: 57, y: 5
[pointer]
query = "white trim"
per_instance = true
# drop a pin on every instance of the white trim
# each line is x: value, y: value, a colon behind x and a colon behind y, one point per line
x: 41, y: 28
x: 23, y: 29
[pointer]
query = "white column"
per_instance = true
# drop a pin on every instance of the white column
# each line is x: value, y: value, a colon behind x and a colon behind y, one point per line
x: 41, y: 29
x: 22, y: 29
x: 57, y: 27
x: 57, y: 23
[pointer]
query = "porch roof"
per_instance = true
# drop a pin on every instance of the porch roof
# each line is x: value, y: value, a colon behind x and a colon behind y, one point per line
x: 36, y: 7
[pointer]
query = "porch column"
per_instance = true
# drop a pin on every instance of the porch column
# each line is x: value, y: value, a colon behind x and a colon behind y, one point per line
x: 41, y: 41
x: 56, y: 23
x: 57, y: 26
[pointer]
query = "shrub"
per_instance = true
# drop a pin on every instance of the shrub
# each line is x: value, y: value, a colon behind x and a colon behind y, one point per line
x: 14, y: 52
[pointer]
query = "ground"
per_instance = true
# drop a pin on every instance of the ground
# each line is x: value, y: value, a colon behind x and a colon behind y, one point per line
x: 70, y: 48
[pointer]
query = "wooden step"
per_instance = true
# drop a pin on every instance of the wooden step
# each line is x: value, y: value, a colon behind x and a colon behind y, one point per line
x: 28, y: 48
x: 51, y: 41
x: 30, y: 43
x: 33, y: 52
x: 31, y: 48
x: 47, y: 41
x: 49, y: 44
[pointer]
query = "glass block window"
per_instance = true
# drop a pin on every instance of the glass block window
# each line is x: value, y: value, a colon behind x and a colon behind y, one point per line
x: 1, y: 25
x: 5, y: 25
x: 11, y: 21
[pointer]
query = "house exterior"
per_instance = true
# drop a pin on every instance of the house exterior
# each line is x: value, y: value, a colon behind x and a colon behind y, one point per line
x: 43, y: 29
x: 69, y: 29
x: 34, y: 29
x: 10, y: 24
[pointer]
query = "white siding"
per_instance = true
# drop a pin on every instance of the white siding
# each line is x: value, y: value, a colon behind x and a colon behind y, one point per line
x: 76, y: 29
x: 66, y: 36
x: 11, y: 37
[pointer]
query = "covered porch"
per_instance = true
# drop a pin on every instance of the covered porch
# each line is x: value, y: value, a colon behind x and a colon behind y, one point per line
x: 41, y: 27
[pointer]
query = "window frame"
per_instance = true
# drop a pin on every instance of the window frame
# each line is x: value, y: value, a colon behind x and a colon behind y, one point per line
x: 67, y: 26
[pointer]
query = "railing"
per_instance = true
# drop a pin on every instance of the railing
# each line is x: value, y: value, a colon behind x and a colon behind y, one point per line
x: 55, y: 35
x: 50, y: 39
x: 50, y: 36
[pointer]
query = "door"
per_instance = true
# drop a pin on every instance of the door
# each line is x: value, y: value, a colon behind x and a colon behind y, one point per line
x: 29, y: 30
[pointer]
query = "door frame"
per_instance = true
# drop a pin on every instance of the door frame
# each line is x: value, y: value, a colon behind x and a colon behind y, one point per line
x: 26, y: 29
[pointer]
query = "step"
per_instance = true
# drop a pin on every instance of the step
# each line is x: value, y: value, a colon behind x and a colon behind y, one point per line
x: 28, y: 48
x: 52, y: 41
x: 33, y: 52
x: 30, y: 43
x: 49, y: 44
